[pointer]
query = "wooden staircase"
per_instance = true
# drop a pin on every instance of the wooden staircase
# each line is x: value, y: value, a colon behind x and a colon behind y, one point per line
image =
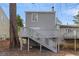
x: 49, y: 43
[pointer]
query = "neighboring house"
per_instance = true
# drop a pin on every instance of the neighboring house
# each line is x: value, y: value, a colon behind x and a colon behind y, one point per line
x: 41, y: 27
x: 4, y: 25
x: 70, y: 36
x: 69, y: 31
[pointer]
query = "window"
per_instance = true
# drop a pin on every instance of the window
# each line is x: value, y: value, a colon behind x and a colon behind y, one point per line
x: 34, y: 17
x: 69, y: 30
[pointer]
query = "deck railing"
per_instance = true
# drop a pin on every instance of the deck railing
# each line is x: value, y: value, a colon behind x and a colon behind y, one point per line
x: 50, y: 43
x: 71, y: 35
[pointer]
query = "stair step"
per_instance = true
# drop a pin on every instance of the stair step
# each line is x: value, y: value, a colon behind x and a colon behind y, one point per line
x: 35, y: 36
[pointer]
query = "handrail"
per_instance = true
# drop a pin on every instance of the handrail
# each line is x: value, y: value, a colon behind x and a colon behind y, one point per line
x: 32, y: 32
x: 35, y: 35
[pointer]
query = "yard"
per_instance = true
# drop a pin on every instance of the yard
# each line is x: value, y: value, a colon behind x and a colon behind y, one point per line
x: 36, y: 52
x: 67, y: 50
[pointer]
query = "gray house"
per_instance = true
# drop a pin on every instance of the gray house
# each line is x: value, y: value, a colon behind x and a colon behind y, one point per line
x: 42, y: 22
x: 70, y: 35
x: 41, y: 27
x: 69, y: 31
x: 4, y: 25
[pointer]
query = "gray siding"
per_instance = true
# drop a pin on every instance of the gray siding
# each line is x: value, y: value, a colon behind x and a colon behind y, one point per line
x: 4, y: 25
x: 69, y: 35
x: 46, y: 23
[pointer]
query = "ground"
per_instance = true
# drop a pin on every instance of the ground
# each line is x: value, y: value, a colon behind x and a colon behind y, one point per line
x: 36, y: 52
x: 5, y: 51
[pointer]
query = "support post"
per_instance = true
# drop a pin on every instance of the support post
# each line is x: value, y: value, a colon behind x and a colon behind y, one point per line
x: 58, y: 47
x: 75, y: 45
x: 75, y: 41
x: 40, y: 47
x: 21, y: 43
x: 28, y: 44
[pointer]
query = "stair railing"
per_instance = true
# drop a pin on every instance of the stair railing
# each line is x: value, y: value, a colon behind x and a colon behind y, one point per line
x: 37, y: 36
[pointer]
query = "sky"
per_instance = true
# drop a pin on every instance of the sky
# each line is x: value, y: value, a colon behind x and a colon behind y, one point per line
x: 64, y: 11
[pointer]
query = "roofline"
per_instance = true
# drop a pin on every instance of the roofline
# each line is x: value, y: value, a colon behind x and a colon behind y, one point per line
x: 69, y: 26
x: 4, y: 13
x: 40, y: 11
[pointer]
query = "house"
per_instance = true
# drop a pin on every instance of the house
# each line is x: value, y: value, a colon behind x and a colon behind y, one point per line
x: 41, y: 27
x: 42, y: 22
x: 69, y: 31
x: 70, y: 35
x: 44, y: 28
x: 4, y: 25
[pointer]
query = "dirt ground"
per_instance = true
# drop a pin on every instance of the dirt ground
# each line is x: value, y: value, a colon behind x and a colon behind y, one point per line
x: 36, y: 52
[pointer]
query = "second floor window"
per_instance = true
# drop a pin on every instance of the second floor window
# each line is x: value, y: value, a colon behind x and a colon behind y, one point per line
x: 34, y: 17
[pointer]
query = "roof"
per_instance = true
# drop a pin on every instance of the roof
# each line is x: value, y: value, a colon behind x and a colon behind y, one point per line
x: 2, y: 12
x: 69, y: 26
x: 40, y: 11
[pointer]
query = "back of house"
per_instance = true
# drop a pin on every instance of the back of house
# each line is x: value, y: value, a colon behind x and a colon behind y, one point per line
x: 42, y: 28
x: 42, y: 21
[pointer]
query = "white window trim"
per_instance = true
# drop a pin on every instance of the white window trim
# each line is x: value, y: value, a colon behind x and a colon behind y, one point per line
x: 36, y: 28
x: 34, y: 16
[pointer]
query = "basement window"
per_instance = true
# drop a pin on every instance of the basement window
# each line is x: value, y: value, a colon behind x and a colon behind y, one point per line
x: 34, y: 17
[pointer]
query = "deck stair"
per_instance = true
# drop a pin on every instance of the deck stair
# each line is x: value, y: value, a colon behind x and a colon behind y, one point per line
x: 49, y: 43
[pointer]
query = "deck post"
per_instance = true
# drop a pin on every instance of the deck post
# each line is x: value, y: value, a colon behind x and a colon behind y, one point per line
x: 75, y: 41
x: 28, y: 44
x: 21, y: 43
x: 58, y: 46
x: 40, y: 47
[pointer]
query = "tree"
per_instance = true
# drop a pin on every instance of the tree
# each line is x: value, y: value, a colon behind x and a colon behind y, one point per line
x: 76, y: 21
x: 14, y: 40
x: 19, y: 22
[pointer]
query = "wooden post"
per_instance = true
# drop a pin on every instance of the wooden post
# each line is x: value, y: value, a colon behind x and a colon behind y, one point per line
x: 58, y: 40
x: 21, y: 43
x: 40, y: 47
x: 75, y: 41
x: 28, y: 44
x: 58, y: 46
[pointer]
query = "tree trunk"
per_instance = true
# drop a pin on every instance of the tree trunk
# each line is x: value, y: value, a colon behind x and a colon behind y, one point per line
x: 14, y: 40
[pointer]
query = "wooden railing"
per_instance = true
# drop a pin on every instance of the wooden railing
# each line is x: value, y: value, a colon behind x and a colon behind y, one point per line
x: 49, y: 43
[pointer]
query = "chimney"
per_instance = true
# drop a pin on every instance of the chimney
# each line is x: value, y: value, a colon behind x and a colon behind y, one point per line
x: 52, y: 8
